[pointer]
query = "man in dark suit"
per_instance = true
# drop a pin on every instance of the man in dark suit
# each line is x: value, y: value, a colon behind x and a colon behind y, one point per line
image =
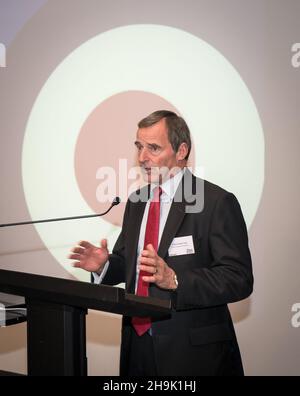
x: 198, y: 257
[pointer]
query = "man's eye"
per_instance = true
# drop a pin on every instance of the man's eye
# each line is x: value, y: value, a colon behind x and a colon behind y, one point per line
x: 153, y: 148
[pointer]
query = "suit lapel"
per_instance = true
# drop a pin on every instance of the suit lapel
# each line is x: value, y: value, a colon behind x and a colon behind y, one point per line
x: 177, y: 212
x: 132, y: 242
x: 175, y: 218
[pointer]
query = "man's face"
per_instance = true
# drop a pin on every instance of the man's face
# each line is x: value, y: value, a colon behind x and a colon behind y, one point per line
x: 155, y: 153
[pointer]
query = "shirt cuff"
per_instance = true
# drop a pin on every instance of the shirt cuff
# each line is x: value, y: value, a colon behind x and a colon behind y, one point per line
x: 98, y: 278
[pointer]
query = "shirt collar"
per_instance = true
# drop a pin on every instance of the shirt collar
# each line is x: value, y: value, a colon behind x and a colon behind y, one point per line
x: 169, y: 187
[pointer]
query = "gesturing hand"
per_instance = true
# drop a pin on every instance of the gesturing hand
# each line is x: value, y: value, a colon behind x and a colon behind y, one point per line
x: 89, y: 257
x: 159, y: 272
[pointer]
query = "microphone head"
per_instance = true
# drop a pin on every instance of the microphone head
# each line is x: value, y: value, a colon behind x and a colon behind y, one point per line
x: 116, y: 201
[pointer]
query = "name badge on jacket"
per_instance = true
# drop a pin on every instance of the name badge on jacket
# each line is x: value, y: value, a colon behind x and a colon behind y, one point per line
x: 181, y: 245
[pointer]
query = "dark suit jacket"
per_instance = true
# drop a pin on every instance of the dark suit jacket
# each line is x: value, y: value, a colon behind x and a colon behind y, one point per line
x: 198, y: 338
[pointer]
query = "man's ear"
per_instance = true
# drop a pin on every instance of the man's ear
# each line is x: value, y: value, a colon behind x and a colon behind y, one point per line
x: 182, y: 152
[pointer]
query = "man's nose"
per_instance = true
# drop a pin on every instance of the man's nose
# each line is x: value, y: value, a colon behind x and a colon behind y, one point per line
x: 143, y: 155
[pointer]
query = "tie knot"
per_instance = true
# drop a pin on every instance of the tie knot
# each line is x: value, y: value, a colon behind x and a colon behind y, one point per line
x: 157, y: 193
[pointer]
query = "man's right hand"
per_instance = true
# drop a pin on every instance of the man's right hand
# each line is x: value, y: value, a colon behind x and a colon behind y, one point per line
x: 89, y: 257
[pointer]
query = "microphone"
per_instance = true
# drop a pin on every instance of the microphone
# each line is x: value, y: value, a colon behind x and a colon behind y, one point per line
x: 115, y: 202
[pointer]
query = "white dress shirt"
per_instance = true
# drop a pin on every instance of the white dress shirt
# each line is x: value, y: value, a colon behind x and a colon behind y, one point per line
x: 169, y: 188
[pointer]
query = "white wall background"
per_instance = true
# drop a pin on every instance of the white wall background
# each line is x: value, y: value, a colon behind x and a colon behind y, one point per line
x: 257, y: 39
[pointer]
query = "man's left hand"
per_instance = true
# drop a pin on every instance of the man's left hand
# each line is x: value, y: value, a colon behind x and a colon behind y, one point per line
x: 159, y: 272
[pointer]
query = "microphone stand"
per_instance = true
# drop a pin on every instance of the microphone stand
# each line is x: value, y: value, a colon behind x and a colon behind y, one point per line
x: 115, y: 202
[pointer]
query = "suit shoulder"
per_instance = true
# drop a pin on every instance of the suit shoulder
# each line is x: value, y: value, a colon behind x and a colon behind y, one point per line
x: 216, y: 195
x: 214, y: 190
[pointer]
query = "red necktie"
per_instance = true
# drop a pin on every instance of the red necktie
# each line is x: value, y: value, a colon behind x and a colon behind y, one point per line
x: 141, y: 325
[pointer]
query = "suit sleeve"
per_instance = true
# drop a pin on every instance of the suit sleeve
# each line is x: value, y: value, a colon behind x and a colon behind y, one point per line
x: 228, y: 278
x: 117, y: 270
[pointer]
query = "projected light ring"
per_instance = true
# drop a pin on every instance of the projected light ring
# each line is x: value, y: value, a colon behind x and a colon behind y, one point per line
x: 169, y: 62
